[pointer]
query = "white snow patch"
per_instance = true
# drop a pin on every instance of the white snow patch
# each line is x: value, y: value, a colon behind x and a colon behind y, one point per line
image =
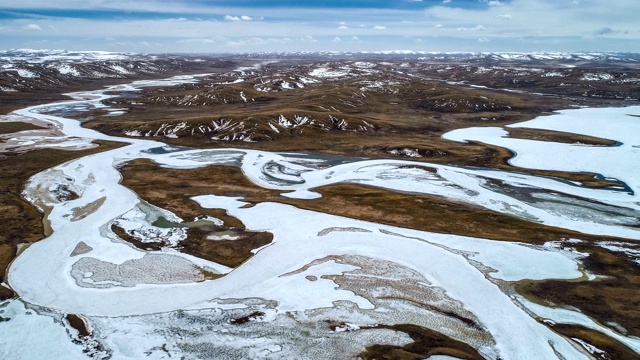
x: 329, y: 73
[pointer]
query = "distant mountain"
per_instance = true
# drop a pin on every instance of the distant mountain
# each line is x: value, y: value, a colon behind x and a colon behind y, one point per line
x: 469, y: 56
x: 23, y: 70
x: 41, y: 56
x: 27, y: 70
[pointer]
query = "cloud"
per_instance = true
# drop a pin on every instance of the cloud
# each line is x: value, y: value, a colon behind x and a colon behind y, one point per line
x: 492, y: 2
x: 475, y: 28
x: 32, y: 27
x: 197, y: 41
x: 308, y: 39
x: 336, y: 40
x: 606, y: 31
x: 483, y: 40
x: 238, y: 18
x: 594, y: 25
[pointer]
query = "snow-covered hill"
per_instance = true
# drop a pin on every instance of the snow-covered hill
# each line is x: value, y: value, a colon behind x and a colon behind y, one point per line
x: 28, y: 70
x: 479, y: 56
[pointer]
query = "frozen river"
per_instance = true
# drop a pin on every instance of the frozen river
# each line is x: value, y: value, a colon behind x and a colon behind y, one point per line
x: 84, y: 268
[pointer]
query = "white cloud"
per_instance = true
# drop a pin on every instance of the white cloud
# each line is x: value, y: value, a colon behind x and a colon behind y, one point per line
x: 483, y: 39
x: 198, y: 41
x: 475, y: 28
x: 379, y: 27
x: 613, y: 26
x: 336, y: 40
x: 308, y: 39
x: 238, y: 18
x: 355, y: 39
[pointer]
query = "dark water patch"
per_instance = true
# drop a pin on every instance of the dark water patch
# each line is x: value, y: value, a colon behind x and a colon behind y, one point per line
x: 327, y: 160
x: 567, y: 205
x: 166, y: 149
x: 273, y: 167
x: 620, y: 186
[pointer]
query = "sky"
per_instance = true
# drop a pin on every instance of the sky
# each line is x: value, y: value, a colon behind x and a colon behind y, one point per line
x: 246, y: 26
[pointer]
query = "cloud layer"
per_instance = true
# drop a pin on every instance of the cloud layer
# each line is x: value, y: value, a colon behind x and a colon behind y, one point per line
x: 287, y: 25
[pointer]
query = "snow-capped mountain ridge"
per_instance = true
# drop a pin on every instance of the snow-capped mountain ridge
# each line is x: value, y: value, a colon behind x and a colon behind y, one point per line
x: 29, y: 70
x: 498, y: 56
x: 37, y: 56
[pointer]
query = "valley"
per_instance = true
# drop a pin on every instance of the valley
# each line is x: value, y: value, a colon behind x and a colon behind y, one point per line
x: 314, y: 205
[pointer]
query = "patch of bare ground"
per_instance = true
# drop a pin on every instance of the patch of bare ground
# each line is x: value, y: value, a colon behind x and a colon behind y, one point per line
x: 426, y: 343
x: 612, y: 349
x: 247, y: 318
x: 82, y: 212
x: 148, y: 246
x: 613, y: 300
x: 7, y: 254
x: 17, y: 126
x: 22, y: 223
x: 19, y: 100
x: 178, y: 186
x: 78, y: 323
x: 557, y: 136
